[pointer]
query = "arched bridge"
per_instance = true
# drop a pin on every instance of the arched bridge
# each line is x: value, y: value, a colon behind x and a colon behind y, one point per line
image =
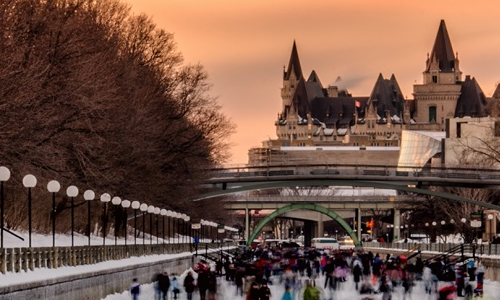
x: 409, y: 179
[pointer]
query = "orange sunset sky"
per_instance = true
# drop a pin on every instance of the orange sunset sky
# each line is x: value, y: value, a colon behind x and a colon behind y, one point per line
x: 244, y: 45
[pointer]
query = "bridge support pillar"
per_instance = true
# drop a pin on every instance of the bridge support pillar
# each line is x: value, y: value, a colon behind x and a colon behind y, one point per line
x: 247, y: 224
x: 397, y: 232
x: 320, y: 229
x: 357, y: 215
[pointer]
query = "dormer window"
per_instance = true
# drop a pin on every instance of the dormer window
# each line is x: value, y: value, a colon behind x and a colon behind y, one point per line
x: 434, y: 78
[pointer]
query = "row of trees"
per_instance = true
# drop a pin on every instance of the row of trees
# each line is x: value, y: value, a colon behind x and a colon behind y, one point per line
x: 95, y: 96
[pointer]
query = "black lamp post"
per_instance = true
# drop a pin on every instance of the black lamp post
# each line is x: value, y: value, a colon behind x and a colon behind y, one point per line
x: 29, y: 181
x: 53, y: 186
x: 144, y: 209
x: 178, y: 216
x: 105, y: 198
x: 157, y: 212
x: 170, y: 215
x: 4, y: 176
x: 125, y: 205
x: 151, y: 211
x: 188, y: 229
x: 72, y: 192
x: 116, y: 202
x: 135, y: 207
x: 163, y: 213
x: 88, y: 195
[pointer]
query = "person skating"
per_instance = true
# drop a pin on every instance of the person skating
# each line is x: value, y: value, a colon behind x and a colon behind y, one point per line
x: 264, y: 291
x: 164, y: 284
x: 189, y: 285
x: 174, y: 286
x: 310, y: 292
x: 135, y: 289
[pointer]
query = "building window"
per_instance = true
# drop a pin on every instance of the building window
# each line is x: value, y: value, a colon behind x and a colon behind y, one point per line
x: 434, y: 78
x: 432, y: 114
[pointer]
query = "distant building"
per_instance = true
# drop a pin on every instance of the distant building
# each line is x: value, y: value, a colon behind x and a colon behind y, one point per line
x: 320, y: 124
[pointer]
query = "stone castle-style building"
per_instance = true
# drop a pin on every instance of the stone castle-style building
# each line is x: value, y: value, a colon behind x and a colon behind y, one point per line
x: 315, y: 118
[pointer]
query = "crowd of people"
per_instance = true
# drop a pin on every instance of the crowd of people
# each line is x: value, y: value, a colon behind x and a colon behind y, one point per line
x: 313, y: 275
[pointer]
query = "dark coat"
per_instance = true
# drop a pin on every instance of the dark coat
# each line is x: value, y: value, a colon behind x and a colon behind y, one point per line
x: 163, y: 282
x: 189, y: 283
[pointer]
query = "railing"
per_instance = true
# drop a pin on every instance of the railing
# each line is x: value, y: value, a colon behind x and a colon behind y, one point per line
x: 24, y: 259
x: 321, y: 170
x: 483, y: 249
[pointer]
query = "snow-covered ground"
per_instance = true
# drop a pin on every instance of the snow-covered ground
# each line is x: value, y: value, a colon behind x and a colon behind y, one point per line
x: 225, y: 289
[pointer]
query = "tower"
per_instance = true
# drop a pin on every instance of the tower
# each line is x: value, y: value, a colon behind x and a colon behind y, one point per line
x: 291, y: 78
x: 437, y: 97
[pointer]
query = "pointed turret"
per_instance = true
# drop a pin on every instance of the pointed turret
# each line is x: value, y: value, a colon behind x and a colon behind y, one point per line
x: 442, y: 52
x: 293, y: 65
x: 472, y: 101
x: 386, y: 98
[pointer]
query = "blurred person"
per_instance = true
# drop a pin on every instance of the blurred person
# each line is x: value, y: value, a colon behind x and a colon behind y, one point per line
x: 174, y: 286
x: 287, y: 295
x: 189, y: 285
x: 311, y: 292
x: 212, y: 286
x: 135, y: 289
x: 478, y: 291
x: 264, y: 291
x: 253, y: 292
x: 164, y: 284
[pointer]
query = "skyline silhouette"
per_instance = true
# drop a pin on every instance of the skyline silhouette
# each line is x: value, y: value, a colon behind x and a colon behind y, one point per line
x: 244, y: 46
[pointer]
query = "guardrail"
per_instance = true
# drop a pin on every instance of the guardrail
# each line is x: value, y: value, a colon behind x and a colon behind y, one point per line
x: 320, y: 170
x: 482, y: 249
x: 24, y: 259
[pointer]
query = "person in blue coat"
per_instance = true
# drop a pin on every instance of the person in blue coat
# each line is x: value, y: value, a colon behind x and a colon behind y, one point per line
x: 135, y: 289
x: 174, y: 286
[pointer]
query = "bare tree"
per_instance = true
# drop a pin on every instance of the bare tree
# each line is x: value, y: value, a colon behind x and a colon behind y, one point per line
x: 94, y: 96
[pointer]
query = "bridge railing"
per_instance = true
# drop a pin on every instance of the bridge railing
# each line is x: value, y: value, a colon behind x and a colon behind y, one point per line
x: 318, y: 170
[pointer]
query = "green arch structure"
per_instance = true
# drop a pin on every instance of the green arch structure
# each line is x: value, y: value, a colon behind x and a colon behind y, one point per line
x: 302, y: 206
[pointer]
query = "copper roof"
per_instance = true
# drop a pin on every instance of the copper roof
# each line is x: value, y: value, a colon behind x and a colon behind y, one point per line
x: 442, y: 50
x: 293, y: 64
x: 472, y: 102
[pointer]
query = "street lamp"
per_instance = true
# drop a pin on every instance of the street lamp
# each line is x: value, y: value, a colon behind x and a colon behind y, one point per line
x: 29, y: 181
x: 4, y: 176
x: 151, y: 210
x: 163, y: 213
x: 143, y: 208
x: 463, y: 220
x: 53, y: 186
x: 125, y: 205
x: 178, y: 216
x: 490, y: 226
x: 188, y: 231
x: 105, y: 198
x: 88, y: 195
x: 135, y: 206
x: 116, y: 201
x: 184, y: 233
x: 169, y: 229
x: 157, y: 212
x: 72, y: 191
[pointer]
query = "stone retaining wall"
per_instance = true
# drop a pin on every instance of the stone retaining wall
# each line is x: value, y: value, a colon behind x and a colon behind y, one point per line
x: 93, y: 285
